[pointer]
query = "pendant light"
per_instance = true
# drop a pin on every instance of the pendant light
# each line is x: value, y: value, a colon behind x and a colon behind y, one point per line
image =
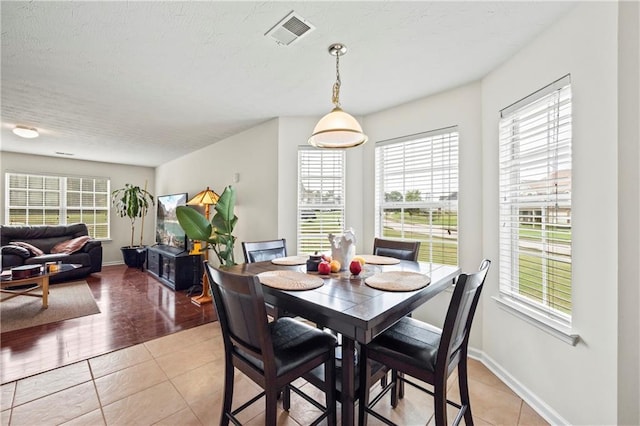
x: 337, y: 129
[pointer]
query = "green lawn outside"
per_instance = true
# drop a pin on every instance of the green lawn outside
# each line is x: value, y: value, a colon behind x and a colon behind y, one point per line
x: 416, y: 218
x: 535, y: 233
x: 315, y: 237
x: 444, y: 251
x: 558, y: 281
x: 558, y: 272
x: 433, y: 248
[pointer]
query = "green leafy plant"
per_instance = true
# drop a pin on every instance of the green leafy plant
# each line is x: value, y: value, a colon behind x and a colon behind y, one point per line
x: 217, y: 234
x: 132, y: 202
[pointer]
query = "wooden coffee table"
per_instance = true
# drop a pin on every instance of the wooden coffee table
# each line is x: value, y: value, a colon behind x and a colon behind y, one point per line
x: 40, y: 281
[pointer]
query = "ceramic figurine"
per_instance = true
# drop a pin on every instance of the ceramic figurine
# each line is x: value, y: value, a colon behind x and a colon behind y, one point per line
x: 343, y: 248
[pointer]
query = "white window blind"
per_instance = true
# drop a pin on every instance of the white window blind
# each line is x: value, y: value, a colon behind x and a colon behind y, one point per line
x: 417, y: 192
x: 58, y: 200
x: 321, y: 197
x: 535, y: 202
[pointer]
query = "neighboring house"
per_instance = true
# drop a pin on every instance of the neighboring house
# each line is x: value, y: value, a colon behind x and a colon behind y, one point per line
x: 534, y: 214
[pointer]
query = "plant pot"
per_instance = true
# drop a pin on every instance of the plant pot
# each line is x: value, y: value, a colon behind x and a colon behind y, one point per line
x: 134, y: 257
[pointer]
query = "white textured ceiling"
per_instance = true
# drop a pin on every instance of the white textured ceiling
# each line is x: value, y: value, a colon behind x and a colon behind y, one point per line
x: 145, y: 82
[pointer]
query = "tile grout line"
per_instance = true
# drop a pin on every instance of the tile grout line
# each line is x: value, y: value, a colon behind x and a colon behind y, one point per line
x: 181, y: 396
x: 520, y: 411
x: 95, y: 387
x: 13, y: 398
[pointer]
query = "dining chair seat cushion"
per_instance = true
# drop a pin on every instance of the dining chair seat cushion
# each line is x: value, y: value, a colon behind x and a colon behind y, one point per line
x: 394, y: 252
x: 411, y: 342
x: 267, y: 254
x: 294, y: 343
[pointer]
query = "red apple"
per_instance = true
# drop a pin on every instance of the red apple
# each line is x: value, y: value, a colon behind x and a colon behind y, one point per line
x: 324, y: 268
x: 355, y: 267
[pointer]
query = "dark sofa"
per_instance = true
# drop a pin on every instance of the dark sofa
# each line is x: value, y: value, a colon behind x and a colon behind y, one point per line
x: 45, y: 237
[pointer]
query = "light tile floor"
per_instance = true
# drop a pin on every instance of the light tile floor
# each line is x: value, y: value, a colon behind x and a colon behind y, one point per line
x: 178, y: 380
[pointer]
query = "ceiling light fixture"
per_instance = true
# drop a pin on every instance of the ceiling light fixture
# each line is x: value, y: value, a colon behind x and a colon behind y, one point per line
x: 337, y: 129
x: 26, y: 132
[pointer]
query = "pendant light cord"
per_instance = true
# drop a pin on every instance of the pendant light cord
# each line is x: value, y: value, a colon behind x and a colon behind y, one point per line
x: 336, y: 86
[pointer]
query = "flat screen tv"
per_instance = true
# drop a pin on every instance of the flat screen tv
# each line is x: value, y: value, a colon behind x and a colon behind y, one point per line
x: 168, y: 230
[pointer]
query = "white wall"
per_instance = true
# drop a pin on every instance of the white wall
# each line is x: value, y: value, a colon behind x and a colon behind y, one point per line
x: 119, y: 175
x: 459, y: 107
x: 629, y: 214
x: 577, y: 383
x: 292, y: 132
x: 253, y: 155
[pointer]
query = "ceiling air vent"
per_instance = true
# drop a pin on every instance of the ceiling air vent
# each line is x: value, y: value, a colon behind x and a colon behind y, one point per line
x: 290, y: 29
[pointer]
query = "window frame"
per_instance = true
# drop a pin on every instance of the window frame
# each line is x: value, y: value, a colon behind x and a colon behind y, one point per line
x: 535, y: 149
x: 441, y: 147
x: 319, y: 240
x: 69, y: 188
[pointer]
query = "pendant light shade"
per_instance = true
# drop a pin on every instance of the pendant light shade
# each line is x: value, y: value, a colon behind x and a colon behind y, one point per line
x: 338, y: 129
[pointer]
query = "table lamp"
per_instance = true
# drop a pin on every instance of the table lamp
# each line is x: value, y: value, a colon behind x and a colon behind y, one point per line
x: 204, y: 198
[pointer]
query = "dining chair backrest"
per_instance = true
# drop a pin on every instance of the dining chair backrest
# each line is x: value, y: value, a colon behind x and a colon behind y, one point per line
x: 457, y: 325
x: 272, y: 354
x: 404, y: 250
x: 240, y: 306
x: 258, y: 251
x: 414, y: 349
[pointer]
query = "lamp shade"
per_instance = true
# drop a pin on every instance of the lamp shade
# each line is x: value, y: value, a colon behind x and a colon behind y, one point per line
x: 337, y: 129
x: 206, y: 197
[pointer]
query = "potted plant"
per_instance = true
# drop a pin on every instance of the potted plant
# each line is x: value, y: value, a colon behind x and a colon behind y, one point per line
x: 217, y: 234
x: 133, y: 202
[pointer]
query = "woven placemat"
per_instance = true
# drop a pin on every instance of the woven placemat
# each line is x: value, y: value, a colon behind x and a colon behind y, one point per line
x: 290, y: 260
x: 379, y: 260
x: 290, y: 280
x: 398, y: 281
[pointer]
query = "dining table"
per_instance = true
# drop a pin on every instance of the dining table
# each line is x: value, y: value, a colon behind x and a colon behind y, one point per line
x: 348, y: 305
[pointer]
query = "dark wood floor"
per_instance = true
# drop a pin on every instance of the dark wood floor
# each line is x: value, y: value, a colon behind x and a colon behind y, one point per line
x: 134, y: 308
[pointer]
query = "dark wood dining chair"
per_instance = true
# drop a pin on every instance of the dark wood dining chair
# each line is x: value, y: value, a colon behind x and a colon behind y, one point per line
x: 258, y: 251
x: 427, y: 353
x: 404, y: 250
x: 272, y: 354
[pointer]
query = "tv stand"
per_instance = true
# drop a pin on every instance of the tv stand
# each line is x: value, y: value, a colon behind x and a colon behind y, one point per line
x: 174, y: 267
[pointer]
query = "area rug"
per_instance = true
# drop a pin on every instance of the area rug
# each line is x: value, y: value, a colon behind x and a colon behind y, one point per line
x: 66, y: 301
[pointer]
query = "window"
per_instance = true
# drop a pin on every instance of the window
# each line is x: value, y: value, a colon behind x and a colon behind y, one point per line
x: 535, y: 203
x: 54, y: 200
x: 417, y: 193
x: 321, y: 197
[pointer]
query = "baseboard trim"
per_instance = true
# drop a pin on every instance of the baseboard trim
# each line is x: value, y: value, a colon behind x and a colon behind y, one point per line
x: 535, y: 402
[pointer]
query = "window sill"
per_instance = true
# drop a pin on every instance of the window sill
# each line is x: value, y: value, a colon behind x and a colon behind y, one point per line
x: 548, y: 325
